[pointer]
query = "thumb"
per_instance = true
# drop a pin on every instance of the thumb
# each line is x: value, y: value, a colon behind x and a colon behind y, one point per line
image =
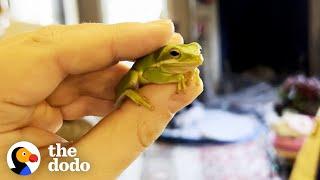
x: 120, y: 137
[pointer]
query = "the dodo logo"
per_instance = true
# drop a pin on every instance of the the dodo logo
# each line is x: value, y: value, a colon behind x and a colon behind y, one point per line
x: 23, y: 158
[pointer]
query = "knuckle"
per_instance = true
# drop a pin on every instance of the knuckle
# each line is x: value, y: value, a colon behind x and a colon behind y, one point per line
x: 113, y: 39
x: 48, y: 35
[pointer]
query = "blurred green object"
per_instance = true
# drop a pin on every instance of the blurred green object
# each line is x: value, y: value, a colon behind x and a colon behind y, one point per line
x: 300, y: 93
x: 74, y: 130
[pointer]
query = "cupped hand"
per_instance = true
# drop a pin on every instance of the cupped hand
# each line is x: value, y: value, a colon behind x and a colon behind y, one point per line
x: 62, y: 72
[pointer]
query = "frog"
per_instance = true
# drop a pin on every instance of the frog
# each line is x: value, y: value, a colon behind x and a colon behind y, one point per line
x: 172, y: 63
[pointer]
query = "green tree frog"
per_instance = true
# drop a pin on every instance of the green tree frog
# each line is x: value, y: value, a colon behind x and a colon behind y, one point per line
x: 169, y: 64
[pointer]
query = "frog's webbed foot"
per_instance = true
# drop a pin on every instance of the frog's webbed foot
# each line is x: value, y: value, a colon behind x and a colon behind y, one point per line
x: 185, y: 79
x: 137, y: 98
x: 189, y: 76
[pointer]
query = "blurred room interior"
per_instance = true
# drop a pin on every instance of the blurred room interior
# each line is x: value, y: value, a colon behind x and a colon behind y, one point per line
x: 261, y: 70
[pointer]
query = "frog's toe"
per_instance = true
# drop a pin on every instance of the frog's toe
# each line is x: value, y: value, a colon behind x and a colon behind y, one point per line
x: 180, y: 88
x: 192, y: 75
x: 146, y: 103
x: 184, y: 85
x: 151, y: 107
x: 196, y: 71
x: 145, y: 99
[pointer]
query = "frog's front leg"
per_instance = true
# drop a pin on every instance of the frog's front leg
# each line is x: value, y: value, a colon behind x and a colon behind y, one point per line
x: 181, y: 83
x: 159, y: 77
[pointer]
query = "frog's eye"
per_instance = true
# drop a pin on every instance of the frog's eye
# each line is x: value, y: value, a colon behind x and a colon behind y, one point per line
x: 175, y: 53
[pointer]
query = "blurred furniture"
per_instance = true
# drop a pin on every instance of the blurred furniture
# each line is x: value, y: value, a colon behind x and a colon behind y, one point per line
x: 307, y: 162
x: 314, y: 36
x: 177, y: 162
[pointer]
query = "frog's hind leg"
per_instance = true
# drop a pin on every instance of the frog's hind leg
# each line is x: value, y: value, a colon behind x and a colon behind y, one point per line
x: 135, y: 97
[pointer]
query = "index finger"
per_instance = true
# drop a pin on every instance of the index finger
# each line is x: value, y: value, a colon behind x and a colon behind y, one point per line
x: 87, y: 47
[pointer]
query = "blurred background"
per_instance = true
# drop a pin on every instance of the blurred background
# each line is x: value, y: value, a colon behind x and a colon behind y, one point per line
x: 262, y: 61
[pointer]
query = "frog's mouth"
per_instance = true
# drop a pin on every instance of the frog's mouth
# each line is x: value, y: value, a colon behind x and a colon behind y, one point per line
x: 173, y: 66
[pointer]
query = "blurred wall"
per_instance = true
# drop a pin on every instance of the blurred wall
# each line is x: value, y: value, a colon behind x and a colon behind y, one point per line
x: 268, y: 33
x: 90, y: 11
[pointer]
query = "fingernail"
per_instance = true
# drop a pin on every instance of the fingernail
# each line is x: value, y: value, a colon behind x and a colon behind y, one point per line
x: 176, y: 39
x: 162, y: 24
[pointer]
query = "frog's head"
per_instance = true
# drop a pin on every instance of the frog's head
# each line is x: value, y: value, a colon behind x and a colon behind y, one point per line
x: 180, y: 58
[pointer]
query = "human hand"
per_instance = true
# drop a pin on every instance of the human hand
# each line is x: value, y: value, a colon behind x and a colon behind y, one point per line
x: 66, y: 72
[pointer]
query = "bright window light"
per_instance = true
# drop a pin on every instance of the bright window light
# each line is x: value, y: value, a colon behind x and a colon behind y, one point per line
x: 131, y: 10
x: 33, y: 11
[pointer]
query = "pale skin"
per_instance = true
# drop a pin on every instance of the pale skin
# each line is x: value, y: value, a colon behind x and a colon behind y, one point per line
x: 65, y: 72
